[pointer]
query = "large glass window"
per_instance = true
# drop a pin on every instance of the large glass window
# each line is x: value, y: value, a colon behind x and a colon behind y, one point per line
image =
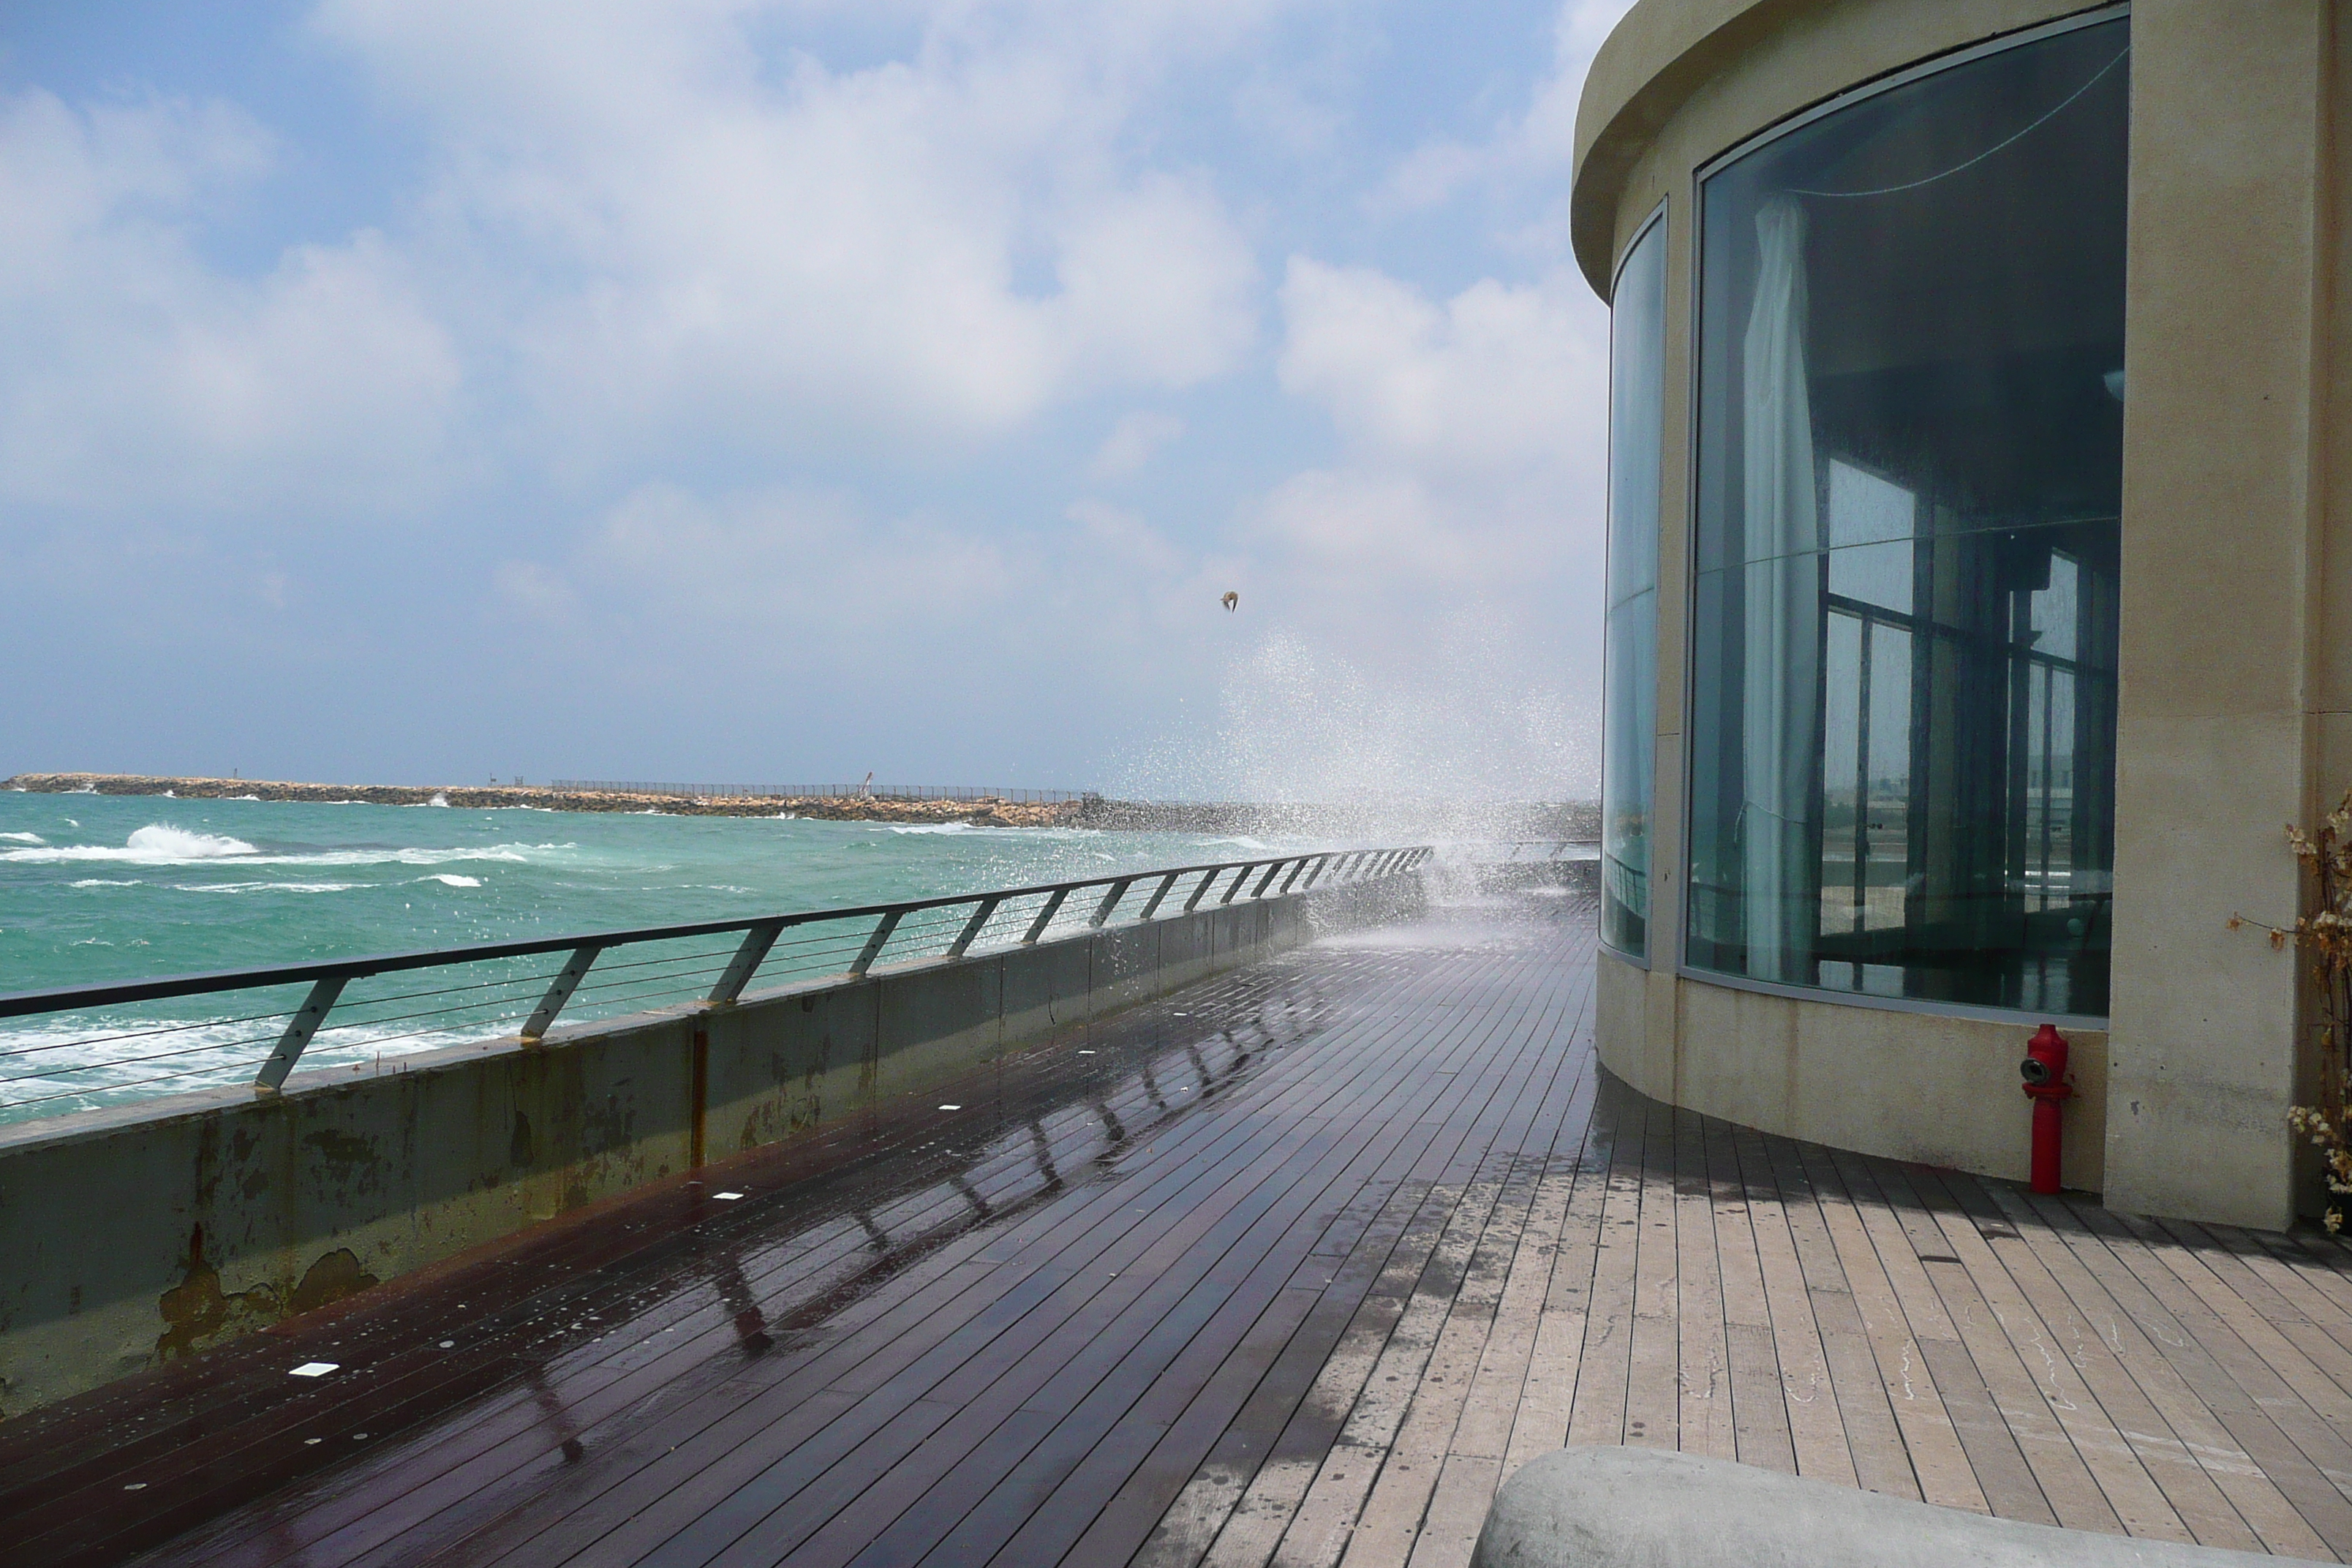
x: 1637, y: 373
x: 1909, y: 476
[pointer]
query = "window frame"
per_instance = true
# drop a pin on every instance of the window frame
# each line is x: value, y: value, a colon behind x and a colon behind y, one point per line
x: 1655, y: 222
x: 1797, y: 119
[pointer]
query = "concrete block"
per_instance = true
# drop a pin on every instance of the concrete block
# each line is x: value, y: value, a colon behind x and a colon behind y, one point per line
x: 1641, y: 1508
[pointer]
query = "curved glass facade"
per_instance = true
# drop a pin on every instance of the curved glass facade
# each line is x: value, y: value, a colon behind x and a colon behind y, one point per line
x: 1637, y: 378
x: 1909, y: 473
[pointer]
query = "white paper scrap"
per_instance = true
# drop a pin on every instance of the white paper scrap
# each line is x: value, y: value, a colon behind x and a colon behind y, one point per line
x: 951, y: 1107
x: 726, y: 1197
x: 315, y: 1368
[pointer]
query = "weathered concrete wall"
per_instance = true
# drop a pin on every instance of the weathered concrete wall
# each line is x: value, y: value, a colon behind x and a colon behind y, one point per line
x: 1932, y: 1087
x: 147, y: 1232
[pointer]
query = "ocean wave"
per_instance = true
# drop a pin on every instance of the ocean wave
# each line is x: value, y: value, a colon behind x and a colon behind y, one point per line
x: 159, y: 844
x: 268, y: 887
x: 22, y: 838
x: 931, y: 827
x: 102, y: 882
x: 206, y: 1051
x: 448, y: 880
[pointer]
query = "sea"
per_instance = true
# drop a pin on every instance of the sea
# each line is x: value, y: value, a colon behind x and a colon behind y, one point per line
x: 101, y: 887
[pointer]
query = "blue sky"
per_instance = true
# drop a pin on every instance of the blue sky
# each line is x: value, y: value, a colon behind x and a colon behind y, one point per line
x: 720, y: 390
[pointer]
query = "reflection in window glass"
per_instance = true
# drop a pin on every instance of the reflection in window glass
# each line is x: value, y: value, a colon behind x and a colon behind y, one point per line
x: 1637, y: 351
x: 1910, y: 478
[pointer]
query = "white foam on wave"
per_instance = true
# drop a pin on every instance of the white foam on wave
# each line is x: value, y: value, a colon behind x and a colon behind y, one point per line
x: 438, y: 799
x: 22, y: 838
x: 159, y: 844
x: 102, y: 882
x: 931, y: 827
x: 268, y: 887
x: 206, y: 1051
x: 447, y: 881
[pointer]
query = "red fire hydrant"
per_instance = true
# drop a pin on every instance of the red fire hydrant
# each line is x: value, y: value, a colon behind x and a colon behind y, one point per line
x: 2044, y: 1071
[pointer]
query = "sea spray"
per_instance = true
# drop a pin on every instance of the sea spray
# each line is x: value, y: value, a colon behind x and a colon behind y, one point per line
x: 1451, y: 742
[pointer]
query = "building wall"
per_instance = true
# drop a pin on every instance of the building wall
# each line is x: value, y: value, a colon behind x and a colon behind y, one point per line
x: 2236, y: 686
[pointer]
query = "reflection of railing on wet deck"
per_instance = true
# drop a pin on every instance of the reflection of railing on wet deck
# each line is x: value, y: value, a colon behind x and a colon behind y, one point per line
x: 104, y: 1049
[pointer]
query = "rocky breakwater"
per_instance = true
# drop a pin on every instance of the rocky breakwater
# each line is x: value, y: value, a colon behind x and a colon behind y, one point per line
x: 981, y: 813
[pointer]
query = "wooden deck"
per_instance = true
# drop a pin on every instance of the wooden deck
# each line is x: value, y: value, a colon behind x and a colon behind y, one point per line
x: 1293, y: 1267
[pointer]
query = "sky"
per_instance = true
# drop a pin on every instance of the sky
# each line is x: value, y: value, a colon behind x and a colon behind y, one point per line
x: 726, y: 391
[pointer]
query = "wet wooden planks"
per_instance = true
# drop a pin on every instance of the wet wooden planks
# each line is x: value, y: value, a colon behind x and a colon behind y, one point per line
x: 1295, y: 1267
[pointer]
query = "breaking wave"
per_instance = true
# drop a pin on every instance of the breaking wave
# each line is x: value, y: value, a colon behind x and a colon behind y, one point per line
x: 160, y: 844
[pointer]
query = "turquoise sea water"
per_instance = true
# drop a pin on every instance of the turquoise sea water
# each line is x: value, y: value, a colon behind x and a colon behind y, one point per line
x: 101, y: 887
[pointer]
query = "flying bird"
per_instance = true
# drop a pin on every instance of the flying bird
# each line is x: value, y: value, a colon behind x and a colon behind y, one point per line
x: 1231, y: 601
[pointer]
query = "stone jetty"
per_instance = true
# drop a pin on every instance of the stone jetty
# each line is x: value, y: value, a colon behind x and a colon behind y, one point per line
x: 987, y: 812
x: 1392, y: 820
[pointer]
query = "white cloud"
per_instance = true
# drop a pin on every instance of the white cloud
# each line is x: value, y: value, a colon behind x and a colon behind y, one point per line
x: 1499, y: 377
x: 1439, y: 580
x: 137, y: 372
x: 717, y: 343
x: 1536, y: 144
x: 1134, y: 441
x: 941, y: 244
x: 1125, y: 536
x: 533, y: 590
x: 807, y: 570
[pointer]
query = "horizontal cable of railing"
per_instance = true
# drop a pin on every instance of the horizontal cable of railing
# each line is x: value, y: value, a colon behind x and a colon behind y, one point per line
x: 1005, y: 793
x: 85, y: 1046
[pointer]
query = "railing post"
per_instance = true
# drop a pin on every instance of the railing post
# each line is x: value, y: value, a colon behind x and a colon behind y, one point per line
x: 1045, y: 917
x: 1208, y: 879
x: 974, y: 927
x: 1322, y: 864
x: 298, y: 1030
x: 1110, y: 902
x: 874, y: 944
x: 746, y: 962
x: 1267, y: 880
x: 1239, y: 878
x: 559, y: 991
x: 1296, y: 872
x: 1152, y: 907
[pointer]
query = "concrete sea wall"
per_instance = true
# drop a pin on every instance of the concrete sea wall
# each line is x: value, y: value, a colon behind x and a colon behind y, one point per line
x: 138, y: 1233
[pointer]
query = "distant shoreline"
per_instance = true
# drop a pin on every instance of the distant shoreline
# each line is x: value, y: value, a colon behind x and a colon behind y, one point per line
x: 1391, y: 821
x: 987, y: 812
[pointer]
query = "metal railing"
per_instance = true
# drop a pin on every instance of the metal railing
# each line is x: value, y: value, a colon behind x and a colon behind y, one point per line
x: 831, y: 791
x: 117, y: 1041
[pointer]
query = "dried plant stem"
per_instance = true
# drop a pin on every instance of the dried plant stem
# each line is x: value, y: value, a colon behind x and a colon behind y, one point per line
x: 2324, y: 937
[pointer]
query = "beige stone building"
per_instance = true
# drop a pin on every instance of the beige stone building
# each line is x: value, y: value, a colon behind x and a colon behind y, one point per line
x: 1980, y: 561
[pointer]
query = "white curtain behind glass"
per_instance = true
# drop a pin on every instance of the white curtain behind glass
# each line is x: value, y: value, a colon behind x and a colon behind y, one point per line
x: 1782, y: 606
